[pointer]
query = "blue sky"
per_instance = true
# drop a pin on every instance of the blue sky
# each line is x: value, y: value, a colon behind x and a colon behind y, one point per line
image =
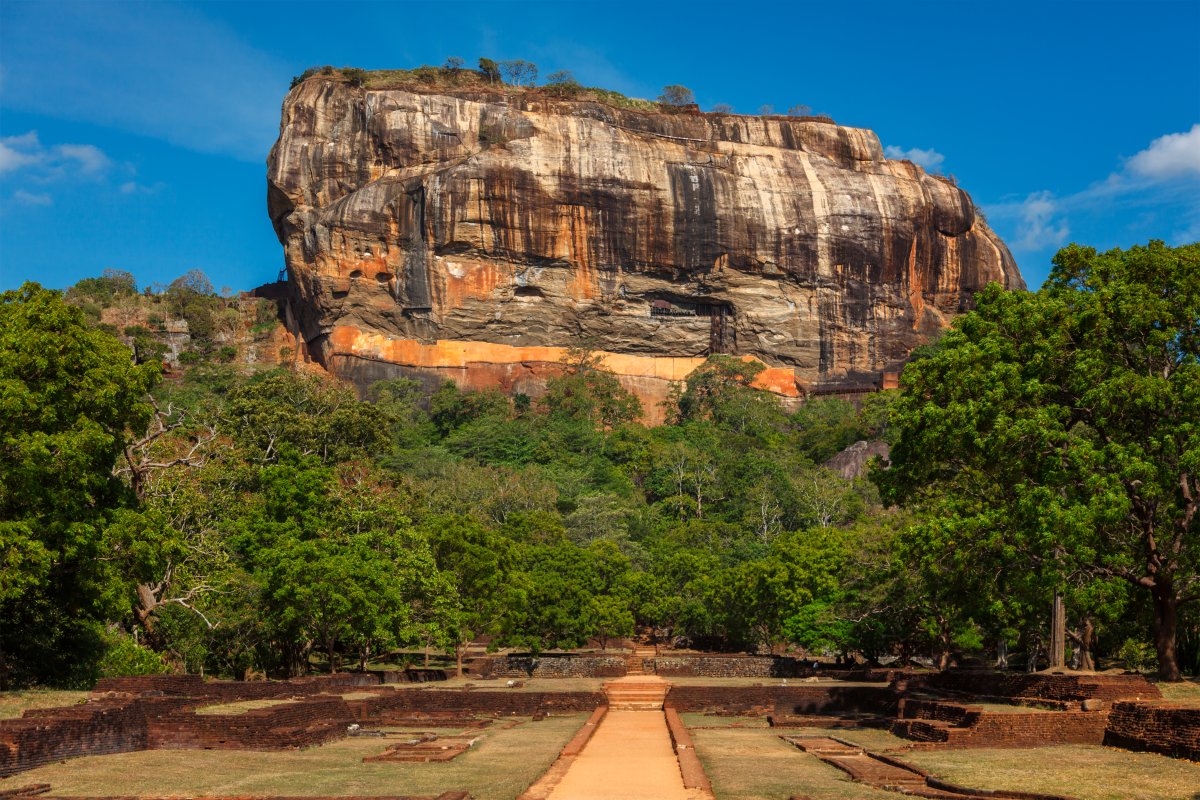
x: 134, y: 135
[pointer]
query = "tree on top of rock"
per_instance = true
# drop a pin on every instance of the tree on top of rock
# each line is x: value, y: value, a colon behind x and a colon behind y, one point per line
x: 676, y: 95
x: 519, y: 72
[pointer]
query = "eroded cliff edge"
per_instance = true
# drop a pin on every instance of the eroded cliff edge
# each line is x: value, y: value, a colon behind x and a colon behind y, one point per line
x: 474, y: 235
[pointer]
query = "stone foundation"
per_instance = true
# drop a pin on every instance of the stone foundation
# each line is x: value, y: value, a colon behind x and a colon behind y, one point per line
x: 1155, y: 727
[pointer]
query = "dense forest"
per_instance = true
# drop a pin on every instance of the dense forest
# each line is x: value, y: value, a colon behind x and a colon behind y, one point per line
x: 233, y: 518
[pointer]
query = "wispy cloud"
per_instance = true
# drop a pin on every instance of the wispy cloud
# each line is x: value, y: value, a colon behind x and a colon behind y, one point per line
x: 1040, y: 225
x: 931, y: 160
x: 27, y: 156
x: 100, y: 62
x: 1166, y: 172
x: 32, y: 198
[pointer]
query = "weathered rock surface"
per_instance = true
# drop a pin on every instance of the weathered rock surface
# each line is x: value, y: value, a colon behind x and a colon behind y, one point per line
x: 475, y: 235
x: 852, y: 462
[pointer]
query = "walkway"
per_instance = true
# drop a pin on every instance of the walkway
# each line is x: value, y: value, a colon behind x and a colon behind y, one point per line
x: 630, y: 755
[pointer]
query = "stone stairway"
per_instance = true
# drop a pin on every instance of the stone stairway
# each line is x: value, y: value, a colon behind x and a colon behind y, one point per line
x: 635, y: 662
x: 636, y: 693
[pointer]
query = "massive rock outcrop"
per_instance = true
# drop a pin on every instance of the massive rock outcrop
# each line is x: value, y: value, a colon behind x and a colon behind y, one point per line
x: 475, y: 235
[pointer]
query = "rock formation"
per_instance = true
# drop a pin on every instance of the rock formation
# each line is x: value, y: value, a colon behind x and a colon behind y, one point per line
x: 476, y: 234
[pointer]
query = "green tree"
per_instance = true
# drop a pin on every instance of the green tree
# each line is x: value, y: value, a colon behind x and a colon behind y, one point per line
x: 479, y: 563
x: 519, y: 72
x: 69, y: 398
x: 675, y: 95
x: 490, y: 70
x: 1061, y: 429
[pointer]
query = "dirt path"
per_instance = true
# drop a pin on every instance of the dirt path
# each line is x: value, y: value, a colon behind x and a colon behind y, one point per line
x: 628, y: 758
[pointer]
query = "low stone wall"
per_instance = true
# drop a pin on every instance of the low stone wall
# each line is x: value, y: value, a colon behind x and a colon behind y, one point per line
x: 1155, y: 727
x: 784, y: 700
x: 233, y: 691
x: 1073, y: 688
x: 288, y: 725
x: 958, y: 725
x: 511, y: 702
x: 46, y: 735
x: 746, y: 666
x: 548, y: 666
x: 690, y: 767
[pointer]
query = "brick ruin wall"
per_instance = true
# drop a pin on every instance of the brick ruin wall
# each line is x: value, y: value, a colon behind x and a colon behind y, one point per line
x: 151, y: 711
x: 551, y: 666
x: 195, y: 686
x: 974, y: 726
x: 1061, y: 688
x: 43, y: 736
x: 742, y: 666
x: 510, y: 702
x: 787, y: 700
x: 289, y: 725
x: 1155, y: 727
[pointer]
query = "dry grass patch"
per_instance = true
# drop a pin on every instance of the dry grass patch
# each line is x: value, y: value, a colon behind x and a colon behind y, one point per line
x: 357, y: 695
x: 1184, y: 692
x: 1088, y: 772
x: 695, y: 719
x: 14, y: 704
x: 499, y: 767
x: 243, y: 706
x: 755, y: 764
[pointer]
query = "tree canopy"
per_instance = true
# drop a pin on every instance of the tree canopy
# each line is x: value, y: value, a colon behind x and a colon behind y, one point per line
x: 1058, y: 432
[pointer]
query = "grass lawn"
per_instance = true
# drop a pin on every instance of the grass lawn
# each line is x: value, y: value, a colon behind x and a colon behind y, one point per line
x: 1184, y: 692
x: 755, y: 764
x: 499, y: 767
x: 1088, y: 772
x: 243, y: 706
x: 14, y: 704
x: 694, y: 719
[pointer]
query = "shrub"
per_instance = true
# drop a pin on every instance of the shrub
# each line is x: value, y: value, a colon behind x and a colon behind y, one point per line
x: 562, y: 83
x: 1136, y: 656
x: 124, y: 657
x: 356, y: 76
x: 227, y: 353
x: 722, y: 108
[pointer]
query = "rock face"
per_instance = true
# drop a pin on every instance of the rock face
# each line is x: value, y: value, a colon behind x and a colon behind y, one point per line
x: 476, y: 235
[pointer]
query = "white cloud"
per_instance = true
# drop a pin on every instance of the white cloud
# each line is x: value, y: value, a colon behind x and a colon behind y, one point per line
x: 89, y: 158
x: 25, y: 154
x: 931, y: 159
x: 133, y: 187
x: 1039, y: 224
x: 14, y: 151
x: 162, y: 70
x: 1165, y: 174
x: 32, y: 198
x: 1176, y: 155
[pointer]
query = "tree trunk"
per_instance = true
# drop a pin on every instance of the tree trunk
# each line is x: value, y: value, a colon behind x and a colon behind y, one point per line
x: 1084, y: 639
x: 1058, y: 634
x: 1165, y: 622
x: 1002, y: 654
x: 944, y: 639
x: 426, y: 652
x: 458, y: 654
